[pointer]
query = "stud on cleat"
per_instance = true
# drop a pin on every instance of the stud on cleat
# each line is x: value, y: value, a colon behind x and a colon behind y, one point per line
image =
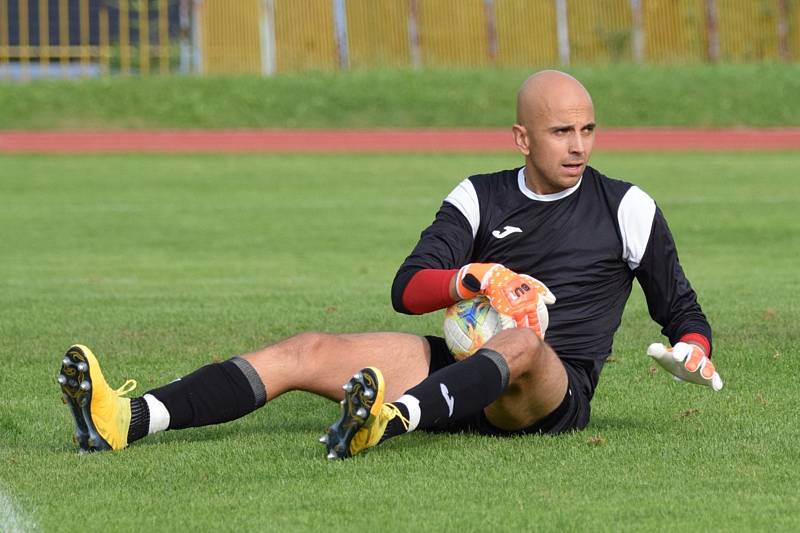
x: 66, y: 361
x: 348, y: 387
x: 358, y: 376
x: 82, y: 367
x: 62, y: 379
x: 324, y: 439
x: 369, y: 394
x: 85, y: 385
x: 361, y: 412
x: 331, y: 456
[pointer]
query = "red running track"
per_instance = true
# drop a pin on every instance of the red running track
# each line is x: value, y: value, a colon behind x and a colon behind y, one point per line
x: 381, y: 140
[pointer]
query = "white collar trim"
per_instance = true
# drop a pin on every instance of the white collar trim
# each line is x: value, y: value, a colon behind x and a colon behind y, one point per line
x: 523, y: 188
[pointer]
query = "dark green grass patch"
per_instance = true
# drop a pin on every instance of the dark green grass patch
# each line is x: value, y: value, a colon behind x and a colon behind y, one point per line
x: 164, y: 263
x: 625, y: 95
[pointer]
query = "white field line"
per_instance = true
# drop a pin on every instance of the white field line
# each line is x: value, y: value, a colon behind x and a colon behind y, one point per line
x: 12, y: 519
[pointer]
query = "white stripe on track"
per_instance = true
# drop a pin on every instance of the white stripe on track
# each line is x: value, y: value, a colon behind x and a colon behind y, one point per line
x: 12, y: 519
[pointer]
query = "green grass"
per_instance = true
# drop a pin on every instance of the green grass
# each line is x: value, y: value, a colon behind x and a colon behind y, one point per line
x: 625, y: 95
x: 164, y: 263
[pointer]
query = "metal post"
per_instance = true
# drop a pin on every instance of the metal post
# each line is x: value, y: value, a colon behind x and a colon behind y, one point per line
x: 63, y: 36
x: 124, y: 37
x: 712, y: 35
x: 44, y: 36
x: 24, y: 48
x: 491, y: 29
x: 340, y: 33
x: 562, y: 30
x: 638, y: 31
x: 413, y: 35
x: 163, y: 37
x: 268, y: 51
x: 4, y: 40
x: 144, y: 37
x: 783, y: 30
x: 104, y: 39
x: 185, y: 36
x: 197, y: 36
x: 83, y: 30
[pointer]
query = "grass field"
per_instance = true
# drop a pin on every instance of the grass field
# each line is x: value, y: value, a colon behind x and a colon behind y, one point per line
x: 624, y: 95
x: 162, y: 264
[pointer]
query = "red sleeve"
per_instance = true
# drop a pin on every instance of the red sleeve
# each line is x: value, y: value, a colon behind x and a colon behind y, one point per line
x: 428, y: 290
x: 698, y: 339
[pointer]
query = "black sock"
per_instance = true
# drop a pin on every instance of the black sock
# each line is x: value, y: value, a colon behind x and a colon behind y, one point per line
x: 213, y: 394
x: 459, y: 390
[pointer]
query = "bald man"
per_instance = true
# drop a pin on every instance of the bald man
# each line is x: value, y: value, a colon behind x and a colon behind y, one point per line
x: 554, y: 231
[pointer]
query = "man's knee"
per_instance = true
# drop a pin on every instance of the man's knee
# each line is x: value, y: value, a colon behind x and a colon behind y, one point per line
x: 522, y: 349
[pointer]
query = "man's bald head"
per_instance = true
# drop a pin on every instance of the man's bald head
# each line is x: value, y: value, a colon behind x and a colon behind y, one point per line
x: 547, y: 91
x: 554, y: 130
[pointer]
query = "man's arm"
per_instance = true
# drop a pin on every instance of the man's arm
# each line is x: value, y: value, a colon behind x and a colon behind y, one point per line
x: 673, y: 304
x: 671, y: 301
x: 425, y: 280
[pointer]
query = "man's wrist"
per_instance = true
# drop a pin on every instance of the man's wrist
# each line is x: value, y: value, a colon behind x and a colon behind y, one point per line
x: 454, y: 287
x: 699, y: 340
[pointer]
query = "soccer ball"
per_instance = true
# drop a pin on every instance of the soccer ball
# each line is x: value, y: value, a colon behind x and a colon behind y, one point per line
x: 468, y: 324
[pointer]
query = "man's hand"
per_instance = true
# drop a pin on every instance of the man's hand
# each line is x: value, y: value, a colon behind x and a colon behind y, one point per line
x: 686, y: 362
x: 519, y: 296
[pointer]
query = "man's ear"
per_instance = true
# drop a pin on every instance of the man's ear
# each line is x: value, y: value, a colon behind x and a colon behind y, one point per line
x: 521, y: 139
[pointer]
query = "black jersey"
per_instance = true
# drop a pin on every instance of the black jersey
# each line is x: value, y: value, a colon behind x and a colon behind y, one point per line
x: 586, y: 243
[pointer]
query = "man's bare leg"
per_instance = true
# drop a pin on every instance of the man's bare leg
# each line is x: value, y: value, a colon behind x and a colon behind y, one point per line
x: 314, y: 362
x: 516, y: 378
x: 320, y: 363
x: 220, y: 392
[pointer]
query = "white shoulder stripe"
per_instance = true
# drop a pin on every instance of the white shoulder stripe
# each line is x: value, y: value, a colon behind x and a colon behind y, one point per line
x: 465, y: 199
x: 635, y: 216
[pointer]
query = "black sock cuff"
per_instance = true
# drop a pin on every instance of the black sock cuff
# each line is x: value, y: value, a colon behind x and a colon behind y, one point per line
x: 140, y: 419
x: 253, y: 379
x: 500, y: 362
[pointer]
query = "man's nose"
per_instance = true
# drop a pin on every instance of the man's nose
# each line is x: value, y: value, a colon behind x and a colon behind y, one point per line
x: 576, y: 144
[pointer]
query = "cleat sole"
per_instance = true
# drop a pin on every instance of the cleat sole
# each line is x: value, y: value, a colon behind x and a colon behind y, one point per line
x: 356, y: 413
x: 77, y: 394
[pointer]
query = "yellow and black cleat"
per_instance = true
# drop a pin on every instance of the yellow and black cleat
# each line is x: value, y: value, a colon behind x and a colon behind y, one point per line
x: 363, y: 398
x: 364, y: 416
x: 102, y: 415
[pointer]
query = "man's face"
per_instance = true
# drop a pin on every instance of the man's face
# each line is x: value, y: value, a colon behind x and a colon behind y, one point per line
x: 557, y: 143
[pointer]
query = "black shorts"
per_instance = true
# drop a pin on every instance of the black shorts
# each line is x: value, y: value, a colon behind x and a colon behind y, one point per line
x: 571, y: 415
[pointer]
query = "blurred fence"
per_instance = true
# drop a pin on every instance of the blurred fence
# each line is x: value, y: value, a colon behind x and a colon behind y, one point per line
x: 45, y: 38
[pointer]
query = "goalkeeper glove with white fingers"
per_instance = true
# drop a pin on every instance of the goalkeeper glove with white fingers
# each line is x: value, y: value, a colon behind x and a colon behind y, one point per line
x: 519, y: 296
x: 686, y: 362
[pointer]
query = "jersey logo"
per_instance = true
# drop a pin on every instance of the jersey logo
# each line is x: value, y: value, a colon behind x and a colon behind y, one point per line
x: 447, y: 398
x: 508, y: 230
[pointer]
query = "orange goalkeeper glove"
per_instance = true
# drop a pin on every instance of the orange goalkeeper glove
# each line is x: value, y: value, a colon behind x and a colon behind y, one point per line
x: 519, y: 296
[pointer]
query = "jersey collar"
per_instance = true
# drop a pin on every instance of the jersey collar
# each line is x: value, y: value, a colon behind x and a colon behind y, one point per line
x: 523, y: 188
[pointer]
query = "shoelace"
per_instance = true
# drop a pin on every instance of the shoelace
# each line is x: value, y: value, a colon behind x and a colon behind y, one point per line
x: 127, y: 387
x: 397, y: 413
